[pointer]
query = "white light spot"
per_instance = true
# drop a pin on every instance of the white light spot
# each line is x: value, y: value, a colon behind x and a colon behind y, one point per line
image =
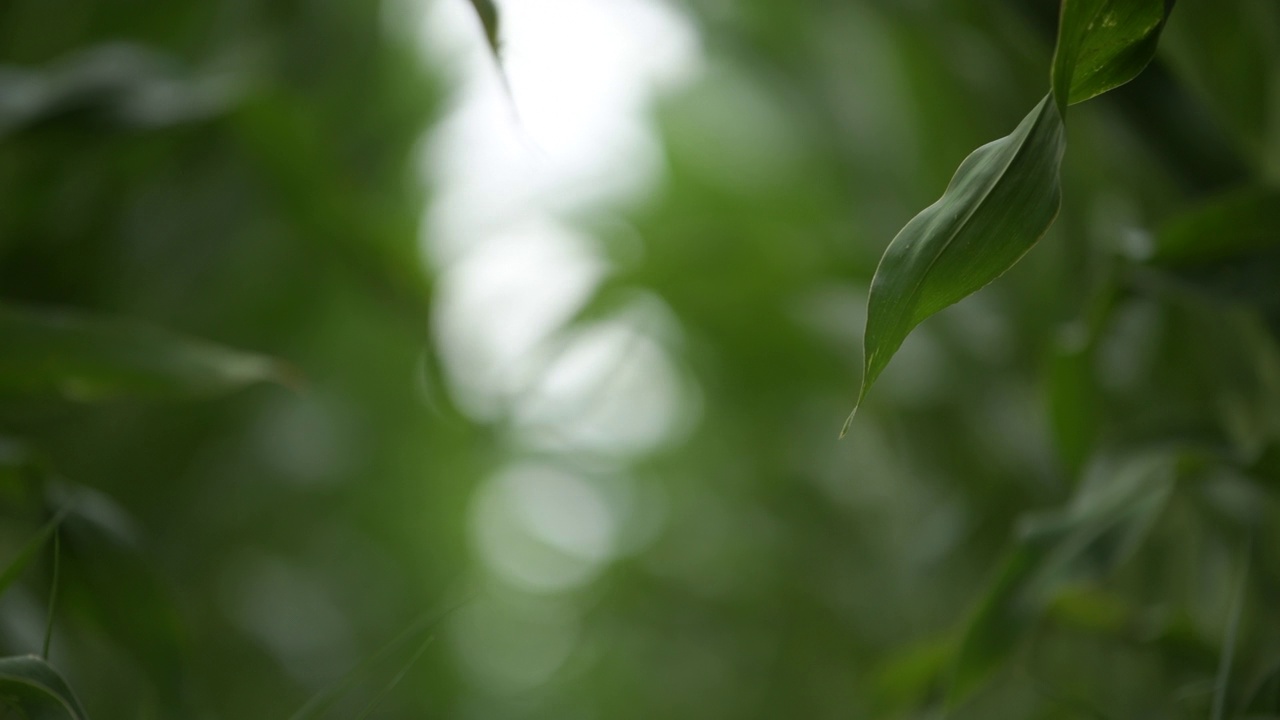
x: 542, y: 529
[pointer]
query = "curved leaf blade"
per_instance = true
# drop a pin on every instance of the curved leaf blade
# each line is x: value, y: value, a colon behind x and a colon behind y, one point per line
x: 1103, y: 44
x: 1000, y: 202
x: 89, y: 358
x: 37, y: 691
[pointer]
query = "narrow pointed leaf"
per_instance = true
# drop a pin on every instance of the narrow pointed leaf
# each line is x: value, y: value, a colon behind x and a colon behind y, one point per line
x: 86, y: 358
x: 1103, y: 44
x: 36, y: 690
x: 1001, y: 201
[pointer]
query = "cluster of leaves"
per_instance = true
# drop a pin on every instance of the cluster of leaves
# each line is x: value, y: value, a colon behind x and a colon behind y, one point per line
x: 205, y: 134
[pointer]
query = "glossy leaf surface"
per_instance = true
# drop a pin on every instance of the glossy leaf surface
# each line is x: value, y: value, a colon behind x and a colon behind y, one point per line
x: 1001, y: 201
x: 1103, y: 44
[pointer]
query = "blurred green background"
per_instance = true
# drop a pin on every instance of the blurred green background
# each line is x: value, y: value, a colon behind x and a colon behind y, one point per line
x: 564, y: 349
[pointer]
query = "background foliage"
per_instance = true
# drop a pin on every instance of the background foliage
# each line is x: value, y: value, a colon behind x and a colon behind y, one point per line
x: 237, y: 387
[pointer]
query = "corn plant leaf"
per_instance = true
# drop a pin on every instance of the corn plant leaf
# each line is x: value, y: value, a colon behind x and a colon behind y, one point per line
x: 81, y: 357
x: 32, y: 687
x: 1103, y: 44
x: 1006, y: 194
x: 1000, y: 202
x: 1241, y: 222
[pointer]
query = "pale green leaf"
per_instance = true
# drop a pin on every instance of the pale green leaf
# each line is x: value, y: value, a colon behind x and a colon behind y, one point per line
x: 87, y: 358
x: 36, y: 690
x: 1001, y: 201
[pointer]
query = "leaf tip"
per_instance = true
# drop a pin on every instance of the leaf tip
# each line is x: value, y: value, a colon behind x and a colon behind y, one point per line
x: 848, y: 422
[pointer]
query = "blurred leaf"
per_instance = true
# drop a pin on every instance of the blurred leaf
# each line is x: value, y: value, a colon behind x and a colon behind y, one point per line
x: 488, y: 14
x: 29, y: 550
x: 913, y: 674
x: 1263, y: 697
x: 1103, y: 44
x: 1087, y: 607
x: 1242, y: 221
x: 1006, y: 194
x: 1000, y: 202
x: 1076, y: 410
x: 1110, y: 515
x: 1004, y: 619
x: 120, y: 83
x: 88, y: 358
x: 36, y: 690
x: 1102, y: 527
x: 418, y: 635
x: 1229, y: 53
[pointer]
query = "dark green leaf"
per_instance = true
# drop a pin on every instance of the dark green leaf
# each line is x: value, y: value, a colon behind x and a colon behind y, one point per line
x: 1001, y: 201
x: 86, y: 358
x: 1264, y: 692
x: 1245, y: 220
x: 1004, y: 618
x: 36, y: 690
x: 1103, y: 44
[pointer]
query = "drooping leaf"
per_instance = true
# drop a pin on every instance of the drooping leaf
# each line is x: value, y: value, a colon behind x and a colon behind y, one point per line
x: 1103, y: 44
x: 1006, y: 194
x: 29, y: 550
x: 1001, y: 201
x: 36, y: 690
x: 87, y: 358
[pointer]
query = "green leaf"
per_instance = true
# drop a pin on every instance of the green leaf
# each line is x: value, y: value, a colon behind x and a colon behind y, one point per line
x: 1103, y: 44
x: 36, y: 690
x: 1228, y: 54
x: 1107, y: 520
x: 1005, y: 617
x: 488, y: 14
x: 1006, y: 194
x: 1001, y: 201
x: 29, y: 550
x: 1244, y: 220
x: 88, y: 358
